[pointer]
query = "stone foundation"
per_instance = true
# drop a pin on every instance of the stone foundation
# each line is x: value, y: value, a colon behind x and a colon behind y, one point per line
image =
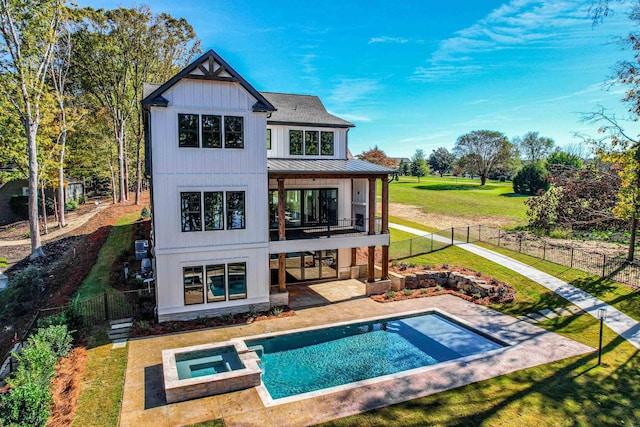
x: 378, y: 287
x: 214, y: 312
x: 279, y: 299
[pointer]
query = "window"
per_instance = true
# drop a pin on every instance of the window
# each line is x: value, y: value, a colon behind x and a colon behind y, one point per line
x: 235, y: 210
x: 188, y: 130
x: 213, y: 211
x: 295, y: 142
x: 268, y: 139
x: 193, y: 204
x: 216, y: 284
x: 311, y: 143
x: 193, y: 285
x: 190, y: 209
x: 233, y: 132
x: 211, y: 131
x: 305, y: 208
x: 326, y: 143
x: 237, y: 278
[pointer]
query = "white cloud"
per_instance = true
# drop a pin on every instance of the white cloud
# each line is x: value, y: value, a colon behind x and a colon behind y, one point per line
x: 348, y: 91
x: 353, y: 117
x: 387, y: 39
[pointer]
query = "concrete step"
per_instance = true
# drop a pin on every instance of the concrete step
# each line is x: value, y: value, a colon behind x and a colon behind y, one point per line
x: 123, y: 320
x: 548, y: 313
x: 121, y: 325
x: 119, y: 335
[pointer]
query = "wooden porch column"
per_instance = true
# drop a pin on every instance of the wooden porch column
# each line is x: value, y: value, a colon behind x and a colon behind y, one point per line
x: 385, y: 205
x: 372, y: 206
x: 371, y: 267
x: 385, y: 263
x: 282, y: 285
x: 354, y: 255
x: 281, y: 228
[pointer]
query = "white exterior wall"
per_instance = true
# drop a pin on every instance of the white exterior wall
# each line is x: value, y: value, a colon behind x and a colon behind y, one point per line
x: 176, y: 169
x: 280, y: 142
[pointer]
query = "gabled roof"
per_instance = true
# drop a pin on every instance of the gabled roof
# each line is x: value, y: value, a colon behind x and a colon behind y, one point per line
x: 325, y: 167
x: 301, y: 110
x: 209, y: 66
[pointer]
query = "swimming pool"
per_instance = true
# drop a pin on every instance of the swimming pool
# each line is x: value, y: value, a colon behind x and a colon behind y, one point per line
x: 303, y: 362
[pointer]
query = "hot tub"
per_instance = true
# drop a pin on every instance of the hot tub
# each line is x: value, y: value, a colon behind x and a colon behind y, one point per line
x: 209, y: 369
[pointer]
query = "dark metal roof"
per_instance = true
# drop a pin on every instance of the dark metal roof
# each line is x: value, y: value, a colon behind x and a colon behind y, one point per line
x: 325, y: 167
x: 306, y: 110
x: 156, y: 98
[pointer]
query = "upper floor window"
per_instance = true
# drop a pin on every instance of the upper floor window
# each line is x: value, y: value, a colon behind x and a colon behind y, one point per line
x: 268, y: 139
x: 210, y: 131
x: 188, y: 130
x: 233, y: 132
x: 326, y: 143
x: 295, y: 142
x: 210, y: 205
x: 191, y: 211
x: 311, y: 143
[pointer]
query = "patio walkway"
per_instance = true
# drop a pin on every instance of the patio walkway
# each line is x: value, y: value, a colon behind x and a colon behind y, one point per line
x: 622, y: 324
x: 144, y: 402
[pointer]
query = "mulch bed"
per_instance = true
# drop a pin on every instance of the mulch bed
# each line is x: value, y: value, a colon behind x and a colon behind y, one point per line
x: 143, y: 329
x: 508, y: 295
x: 66, y: 387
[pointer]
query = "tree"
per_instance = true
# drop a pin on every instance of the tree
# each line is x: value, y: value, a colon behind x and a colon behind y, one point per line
x: 533, y: 147
x: 530, y: 180
x: 115, y: 51
x: 563, y: 158
x: 29, y: 33
x: 404, y: 168
x: 441, y: 160
x: 481, y: 150
x: 419, y: 166
x: 376, y: 156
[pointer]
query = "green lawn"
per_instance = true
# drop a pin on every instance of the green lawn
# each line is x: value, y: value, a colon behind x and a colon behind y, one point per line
x: 119, y: 240
x: 571, y: 392
x: 460, y: 197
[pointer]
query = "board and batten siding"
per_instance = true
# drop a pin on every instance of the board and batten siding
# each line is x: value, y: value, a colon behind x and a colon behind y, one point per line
x: 180, y: 169
x: 280, y: 142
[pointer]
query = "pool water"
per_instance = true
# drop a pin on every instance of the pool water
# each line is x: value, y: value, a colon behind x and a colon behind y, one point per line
x: 308, y: 361
x: 207, y: 362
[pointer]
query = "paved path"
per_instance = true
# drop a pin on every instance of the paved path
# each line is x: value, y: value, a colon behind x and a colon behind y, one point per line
x: 622, y: 324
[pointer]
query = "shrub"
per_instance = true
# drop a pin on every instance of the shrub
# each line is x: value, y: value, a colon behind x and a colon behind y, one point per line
x: 477, y: 295
x: 18, y: 298
x: 407, y: 292
x: 28, y: 404
x: 424, y: 291
x: 19, y: 205
x: 438, y: 288
x: 530, y: 180
x: 82, y: 199
x: 72, y: 205
x: 3, y: 262
x: 390, y: 294
x: 144, y: 326
x: 145, y: 213
x: 276, y: 310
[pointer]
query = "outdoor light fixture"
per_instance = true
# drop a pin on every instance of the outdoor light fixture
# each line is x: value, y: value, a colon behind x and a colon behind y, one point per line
x: 602, y: 314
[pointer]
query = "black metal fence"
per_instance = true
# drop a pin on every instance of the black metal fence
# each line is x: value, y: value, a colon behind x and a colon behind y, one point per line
x: 137, y: 303
x: 614, y: 267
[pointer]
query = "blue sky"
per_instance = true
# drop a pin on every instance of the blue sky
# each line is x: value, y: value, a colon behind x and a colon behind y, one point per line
x: 416, y: 74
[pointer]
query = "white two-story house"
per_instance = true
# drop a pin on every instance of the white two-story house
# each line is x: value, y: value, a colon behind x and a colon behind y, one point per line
x: 250, y: 192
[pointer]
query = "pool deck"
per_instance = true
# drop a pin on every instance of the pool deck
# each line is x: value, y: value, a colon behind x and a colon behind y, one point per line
x: 144, y: 403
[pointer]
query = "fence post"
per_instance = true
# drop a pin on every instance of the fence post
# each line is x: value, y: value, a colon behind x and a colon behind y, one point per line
x: 106, y: 306
x: 544, y: 249
x: 498, y: 237
x: 431, y: 242
x: 452, y: 235
x: 520, y: 243
x: 480, y: 233
x: 571, y: 256
x: 410, y: 247
x: 467, y: 234
x: 604, y: 264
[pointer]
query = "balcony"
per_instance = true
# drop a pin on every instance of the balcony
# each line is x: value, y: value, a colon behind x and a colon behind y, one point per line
x: 342, y: 228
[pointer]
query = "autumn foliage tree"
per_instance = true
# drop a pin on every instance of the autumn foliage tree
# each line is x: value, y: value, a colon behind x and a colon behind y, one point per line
x: 376, y: 156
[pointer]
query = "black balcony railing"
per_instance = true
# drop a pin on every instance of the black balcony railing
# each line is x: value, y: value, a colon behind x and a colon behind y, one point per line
x: 341, y: 228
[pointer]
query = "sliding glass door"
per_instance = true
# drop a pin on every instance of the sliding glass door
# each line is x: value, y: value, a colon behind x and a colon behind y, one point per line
x: 305, y: 208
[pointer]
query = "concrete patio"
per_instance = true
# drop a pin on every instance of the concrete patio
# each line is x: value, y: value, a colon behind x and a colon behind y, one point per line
x: 144, y: 401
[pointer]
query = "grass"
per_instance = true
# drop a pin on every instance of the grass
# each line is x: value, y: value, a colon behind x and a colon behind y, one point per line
x: 565, y: 393
x: 119, y: 240
x: 461, y: 197
x: 3, y: 262
x: 620, y: 296
x: 102, y: 387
